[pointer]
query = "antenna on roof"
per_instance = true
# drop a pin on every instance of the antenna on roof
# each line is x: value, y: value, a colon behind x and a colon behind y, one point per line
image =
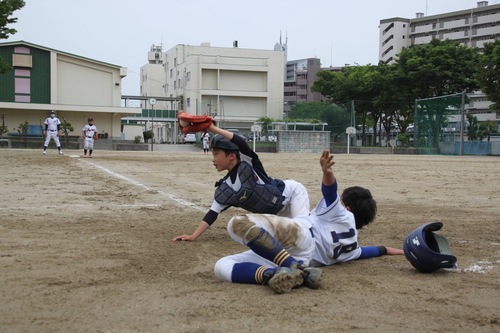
x: 331, y: 55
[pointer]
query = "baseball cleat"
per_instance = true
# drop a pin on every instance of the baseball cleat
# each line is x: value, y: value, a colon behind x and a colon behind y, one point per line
x: 312, y: 277
x: 61, y: 153
x: 285, y: 279
x: 44, y: 152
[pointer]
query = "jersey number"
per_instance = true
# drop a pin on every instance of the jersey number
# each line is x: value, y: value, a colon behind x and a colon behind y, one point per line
x: 337, y: 251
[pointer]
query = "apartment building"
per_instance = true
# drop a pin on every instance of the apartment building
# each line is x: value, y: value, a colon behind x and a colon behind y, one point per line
x: 234, y: 85
x: 299, y: 77
x: 470, y: 27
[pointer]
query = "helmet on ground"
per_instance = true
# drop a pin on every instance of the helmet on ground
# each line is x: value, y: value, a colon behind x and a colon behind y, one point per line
x: 218, y: 141
x: 428, y: 251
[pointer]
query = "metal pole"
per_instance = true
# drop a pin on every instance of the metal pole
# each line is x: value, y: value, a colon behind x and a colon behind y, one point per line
x: 152, y: 128
x: 462, y: 123
x: 348, y: 142
x: 415, y: 126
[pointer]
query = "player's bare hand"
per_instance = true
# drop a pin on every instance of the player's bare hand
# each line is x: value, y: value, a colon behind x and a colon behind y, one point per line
x: 393, y: 251
x: 326, y: 161
x: 187, y: 238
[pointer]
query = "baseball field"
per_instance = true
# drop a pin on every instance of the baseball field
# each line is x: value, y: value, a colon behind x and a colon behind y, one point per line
x: 86, y: 245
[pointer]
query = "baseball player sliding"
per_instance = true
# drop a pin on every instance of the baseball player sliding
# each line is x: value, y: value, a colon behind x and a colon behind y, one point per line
x: 89, y: 133
x: 286, y: 253
x: 52, y: 128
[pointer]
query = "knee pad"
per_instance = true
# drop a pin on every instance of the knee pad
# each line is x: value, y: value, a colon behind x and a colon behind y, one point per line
x: 244, y: 229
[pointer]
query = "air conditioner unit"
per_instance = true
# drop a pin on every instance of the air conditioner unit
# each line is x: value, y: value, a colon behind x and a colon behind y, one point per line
x: 123, y: 72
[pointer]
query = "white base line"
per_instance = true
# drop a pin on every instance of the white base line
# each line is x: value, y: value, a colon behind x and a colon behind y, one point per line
x: 177, y: 200
x: 77, y: 206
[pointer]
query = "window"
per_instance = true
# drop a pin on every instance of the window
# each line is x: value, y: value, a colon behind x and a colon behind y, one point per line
x: 171, y: 73
x: 22, y: 85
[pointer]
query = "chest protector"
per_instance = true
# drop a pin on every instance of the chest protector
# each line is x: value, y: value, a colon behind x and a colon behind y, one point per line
x: 254, y: 197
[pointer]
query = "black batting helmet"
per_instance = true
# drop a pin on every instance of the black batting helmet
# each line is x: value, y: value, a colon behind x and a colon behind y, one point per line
x: 428, y: 251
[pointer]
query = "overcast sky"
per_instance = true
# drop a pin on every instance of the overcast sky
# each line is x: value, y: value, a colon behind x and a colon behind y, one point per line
x: 121, y: 32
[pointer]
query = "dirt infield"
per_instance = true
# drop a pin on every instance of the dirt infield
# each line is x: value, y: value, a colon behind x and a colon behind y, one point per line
x: 86, y: 246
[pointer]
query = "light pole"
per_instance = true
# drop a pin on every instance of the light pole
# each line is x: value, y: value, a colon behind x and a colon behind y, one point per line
x: 152, y: 101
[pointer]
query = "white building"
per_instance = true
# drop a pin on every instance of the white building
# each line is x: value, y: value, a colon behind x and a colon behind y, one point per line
x: 234, y: 85
x: 43, y: 79
x: 470, y: 27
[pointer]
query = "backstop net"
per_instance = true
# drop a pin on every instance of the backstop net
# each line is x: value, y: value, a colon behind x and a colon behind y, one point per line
x: 438, y: 126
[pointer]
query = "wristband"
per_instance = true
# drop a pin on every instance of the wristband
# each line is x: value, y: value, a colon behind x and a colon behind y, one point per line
x: 382, y: 250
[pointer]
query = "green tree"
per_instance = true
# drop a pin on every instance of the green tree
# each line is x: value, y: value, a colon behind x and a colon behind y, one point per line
x: 66, y: 127
x: 439, y: 68
x: 7, y: 8
x: 3, y: 128
x: 23, y: 130
x: 473, y: 128
x: 486, y: 128
x: 265, y: 122
x: 360, y: 83
x: 337, y: 118
x: 488, y: 74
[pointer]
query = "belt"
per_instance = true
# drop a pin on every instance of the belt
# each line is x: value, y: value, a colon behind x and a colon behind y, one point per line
x: 89, y: 137
x: 52, y: 131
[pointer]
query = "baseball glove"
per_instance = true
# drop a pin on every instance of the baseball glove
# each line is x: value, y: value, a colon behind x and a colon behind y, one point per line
x: 189, y: 123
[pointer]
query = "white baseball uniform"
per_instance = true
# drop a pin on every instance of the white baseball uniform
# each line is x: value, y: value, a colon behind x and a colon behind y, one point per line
x: 325, y: 237
x: 90, y: 131
x: 205, y: 139
x: 51, y: 128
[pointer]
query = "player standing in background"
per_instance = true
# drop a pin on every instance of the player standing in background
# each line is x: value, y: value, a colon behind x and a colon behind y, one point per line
x: 52, y: 128
x: 89, y: 133
x: 247, y: 184
x: 205, y: 139
x: 285, y: 253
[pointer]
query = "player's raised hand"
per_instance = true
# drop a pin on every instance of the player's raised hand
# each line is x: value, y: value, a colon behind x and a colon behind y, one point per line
x: 326, y: 161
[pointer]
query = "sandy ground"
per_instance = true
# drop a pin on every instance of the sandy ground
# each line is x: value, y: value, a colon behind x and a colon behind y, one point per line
x: 86, y: 246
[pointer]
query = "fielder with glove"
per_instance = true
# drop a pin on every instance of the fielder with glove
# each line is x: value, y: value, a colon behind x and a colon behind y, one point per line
x: 246, y: 183
x: 189, y: 123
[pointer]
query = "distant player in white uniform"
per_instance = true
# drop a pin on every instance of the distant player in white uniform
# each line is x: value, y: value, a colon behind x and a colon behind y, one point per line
x: 285, y: 253
x: 205, y: 138
x: 52, y: 131
x: 89, y: 133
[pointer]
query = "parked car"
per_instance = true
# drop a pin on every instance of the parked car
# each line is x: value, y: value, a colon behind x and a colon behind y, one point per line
x: 187, y: 138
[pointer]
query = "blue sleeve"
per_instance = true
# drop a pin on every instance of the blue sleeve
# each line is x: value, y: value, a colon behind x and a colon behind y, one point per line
x: 58, y: 127
x: 372, y: 251
x: 329, y: 193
